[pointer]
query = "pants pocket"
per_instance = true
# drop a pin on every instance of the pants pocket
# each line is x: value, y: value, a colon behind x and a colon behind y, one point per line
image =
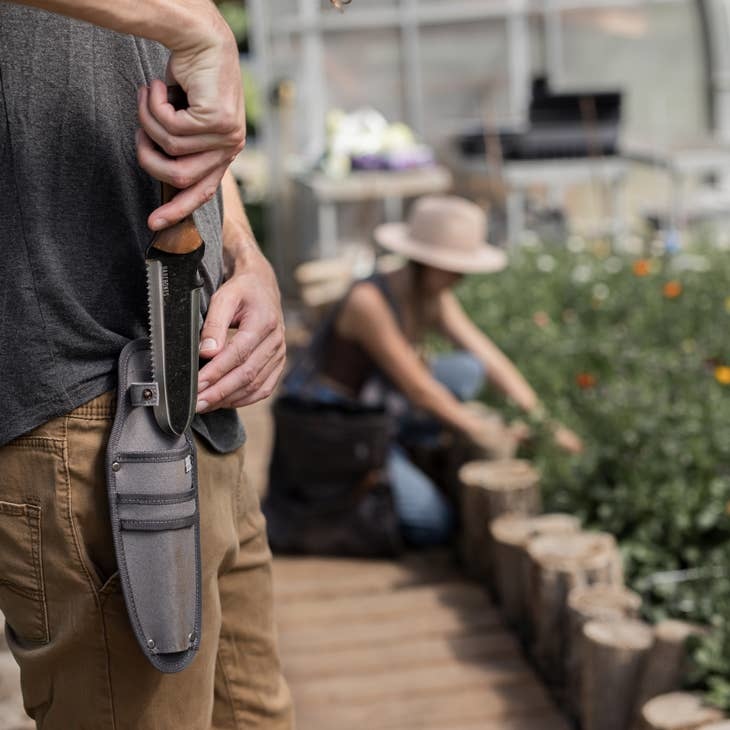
x: 22, y: 589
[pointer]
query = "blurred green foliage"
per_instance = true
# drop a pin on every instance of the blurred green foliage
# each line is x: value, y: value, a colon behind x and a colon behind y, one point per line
x: 633, y: 354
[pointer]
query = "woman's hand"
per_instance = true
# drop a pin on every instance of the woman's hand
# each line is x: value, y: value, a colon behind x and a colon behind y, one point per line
x: 567, y: 440
x: 490, y: 433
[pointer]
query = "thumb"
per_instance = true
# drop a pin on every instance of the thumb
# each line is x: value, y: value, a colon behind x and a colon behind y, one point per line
x: 215, y: 328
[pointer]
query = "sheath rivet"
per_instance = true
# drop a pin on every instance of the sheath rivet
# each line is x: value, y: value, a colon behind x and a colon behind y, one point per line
x: 151, y: 644
x: 147, y: 394
x: 192, y: 636
x: 116, y: 466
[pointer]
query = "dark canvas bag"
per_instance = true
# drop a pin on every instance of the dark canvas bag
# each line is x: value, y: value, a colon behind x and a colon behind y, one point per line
x: 328, y: 491
x: 153, y: 498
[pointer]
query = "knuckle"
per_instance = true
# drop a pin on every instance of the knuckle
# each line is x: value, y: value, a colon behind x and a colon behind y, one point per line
x: 212, y: 324
x: 247, y: 377
x: 241, y: 354
x: 238, y: 142
x: 181, y: 181
x: 173, y: 147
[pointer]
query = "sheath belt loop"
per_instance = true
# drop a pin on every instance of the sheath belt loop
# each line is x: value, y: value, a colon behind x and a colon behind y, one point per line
x: 144, y: 394
x: 153, y: 499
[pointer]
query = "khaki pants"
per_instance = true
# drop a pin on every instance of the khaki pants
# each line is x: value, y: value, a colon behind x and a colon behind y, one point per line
x: 67, y: 623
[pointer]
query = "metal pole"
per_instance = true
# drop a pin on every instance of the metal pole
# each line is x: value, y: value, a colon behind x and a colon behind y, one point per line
x: 553, y: 24
x: 314, y: 93
x: 411, y: 45
x: 518, y: 34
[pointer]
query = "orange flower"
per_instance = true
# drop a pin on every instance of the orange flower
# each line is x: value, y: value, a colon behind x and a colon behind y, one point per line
x: 672, y: 289
x: 642, y: 267
x: 541, y: 319
x: 722, y: 374
x: 586, y: 381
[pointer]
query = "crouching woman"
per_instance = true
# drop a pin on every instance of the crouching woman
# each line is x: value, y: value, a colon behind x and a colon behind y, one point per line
x: 363, y: 392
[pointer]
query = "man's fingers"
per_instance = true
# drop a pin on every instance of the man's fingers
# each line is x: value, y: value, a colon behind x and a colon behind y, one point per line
x: 246, y: 379
x: 180, y: 172
x: 262, y: 387
x: 173, y: 145
x: 213, y: 336
x: 246, y: 376
x: 266, y: 389
x: 186, y: 201
x: 242, y: 346
x: 192, y: 121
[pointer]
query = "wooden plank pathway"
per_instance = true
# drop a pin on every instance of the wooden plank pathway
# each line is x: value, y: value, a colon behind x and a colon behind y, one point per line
x: 377, y: 645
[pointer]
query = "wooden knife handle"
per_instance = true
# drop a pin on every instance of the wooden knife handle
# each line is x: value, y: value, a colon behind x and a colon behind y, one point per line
x: 183, y: 237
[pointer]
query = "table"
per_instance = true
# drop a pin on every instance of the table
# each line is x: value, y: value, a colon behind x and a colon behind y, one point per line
x: 392, y: 187
x: 519, y: 176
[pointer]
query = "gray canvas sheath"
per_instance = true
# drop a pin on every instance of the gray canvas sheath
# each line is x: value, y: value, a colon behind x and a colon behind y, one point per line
x: 153, y: 498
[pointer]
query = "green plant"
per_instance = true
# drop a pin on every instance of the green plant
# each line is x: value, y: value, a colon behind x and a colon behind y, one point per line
x: 634, y: 355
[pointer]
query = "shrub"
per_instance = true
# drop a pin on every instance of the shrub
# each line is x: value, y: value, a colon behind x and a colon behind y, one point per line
x: 633, y: 354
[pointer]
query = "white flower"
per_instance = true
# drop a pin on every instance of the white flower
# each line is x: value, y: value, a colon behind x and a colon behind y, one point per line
x: 601, y: 292
x: 690, y: 262
x: 576, y: 244
x: 530, y: 239
x: 722, y: 242
x: 633, y: 245
x: 546, y: 263
x: 582, y: 274
x: 613, y: 264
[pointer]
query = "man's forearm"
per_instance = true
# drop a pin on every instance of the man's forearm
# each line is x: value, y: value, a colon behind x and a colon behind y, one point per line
x: 177, y: 24
x: 238, y: 239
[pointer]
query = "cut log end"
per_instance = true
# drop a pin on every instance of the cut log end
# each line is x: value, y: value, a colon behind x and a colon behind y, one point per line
x: 626, y: 634
x: 566, y: 552
x: 678, y: 711
x: 509, y: 474
x: 604, y: 602
x: 516, y: 530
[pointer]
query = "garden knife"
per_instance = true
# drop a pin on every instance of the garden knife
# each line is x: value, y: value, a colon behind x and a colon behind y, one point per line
x: 173, y: 291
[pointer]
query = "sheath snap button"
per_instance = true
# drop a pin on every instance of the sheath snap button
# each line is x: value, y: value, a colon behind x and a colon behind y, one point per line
x: 116, y: 466
x: 147, y: 394
x: 151, y: 644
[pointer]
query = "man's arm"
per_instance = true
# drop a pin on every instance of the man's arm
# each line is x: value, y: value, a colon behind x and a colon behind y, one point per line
x: 246, y: 368
x: 202, y: 140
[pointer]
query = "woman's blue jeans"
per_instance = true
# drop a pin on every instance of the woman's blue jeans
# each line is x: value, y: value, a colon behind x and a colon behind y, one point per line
x: 426, y: 515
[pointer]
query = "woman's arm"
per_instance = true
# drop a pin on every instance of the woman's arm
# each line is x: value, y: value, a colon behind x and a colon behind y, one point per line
x: 456, y: 325
x: 368, y: 320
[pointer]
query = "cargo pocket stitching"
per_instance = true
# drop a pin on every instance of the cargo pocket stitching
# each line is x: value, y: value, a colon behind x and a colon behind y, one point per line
x: 32, y: 514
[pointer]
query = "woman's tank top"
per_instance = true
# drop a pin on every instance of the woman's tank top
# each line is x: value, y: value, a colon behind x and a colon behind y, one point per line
x: 337, y: 361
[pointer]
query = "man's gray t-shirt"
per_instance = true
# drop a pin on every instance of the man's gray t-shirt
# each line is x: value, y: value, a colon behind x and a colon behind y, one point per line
x: 73, y: 210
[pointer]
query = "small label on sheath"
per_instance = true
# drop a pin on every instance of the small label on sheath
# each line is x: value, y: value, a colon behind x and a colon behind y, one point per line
x: 188, y: 464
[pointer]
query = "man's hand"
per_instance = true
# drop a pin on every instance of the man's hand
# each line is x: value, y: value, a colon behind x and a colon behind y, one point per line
x: 247, y: 368
x: 199, y: 142
x: 192, y: 148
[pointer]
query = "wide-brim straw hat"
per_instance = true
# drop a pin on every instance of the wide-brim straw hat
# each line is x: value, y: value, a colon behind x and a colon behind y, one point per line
x: 445, y: 232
